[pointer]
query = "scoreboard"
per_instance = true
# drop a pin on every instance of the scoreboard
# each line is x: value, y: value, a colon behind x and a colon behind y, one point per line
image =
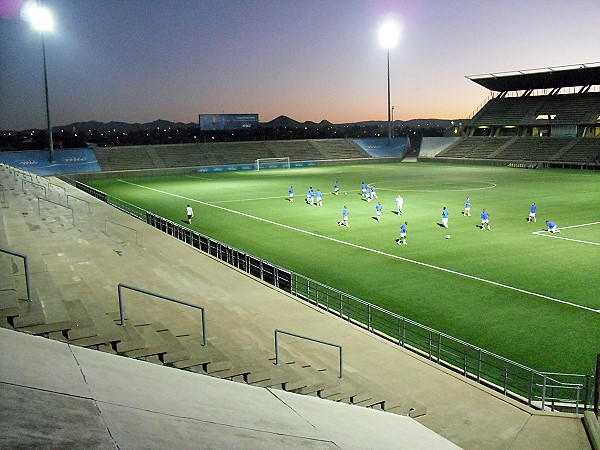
x: 210, y: 122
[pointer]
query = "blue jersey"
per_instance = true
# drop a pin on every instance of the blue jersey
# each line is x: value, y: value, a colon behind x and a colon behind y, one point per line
x: 345, y: 212
x: 291, y: 190
x: 467, y: 204
x: 318, y: 194
x: 485, y: 215
x: 551, y: 224
x: 378, y: 208
x: 309, y: 193
x: 363, y: 187
x: 403, y: 228
x: 335, y: 186
x: 445, y: 213
x: 533, y: 209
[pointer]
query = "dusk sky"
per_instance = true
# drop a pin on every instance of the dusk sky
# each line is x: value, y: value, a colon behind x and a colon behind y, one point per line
x: 138, y: 61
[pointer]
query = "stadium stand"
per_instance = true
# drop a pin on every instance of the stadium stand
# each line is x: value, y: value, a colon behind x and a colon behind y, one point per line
x: 550, y: 117
x: 339, y: 149
x: 75, y: 264
x: 223, y: 153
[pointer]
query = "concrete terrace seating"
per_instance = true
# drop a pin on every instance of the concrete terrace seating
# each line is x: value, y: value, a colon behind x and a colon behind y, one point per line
x: 301, y: 150
x: 572, y: 108
x: 223, y: 153
x: 340, y: 148
x: 126, y: 158
x: 474, y: 147
x: 507, y: 111
x: 583, y: 151
x: 533, y: 149
x: 568, y: 109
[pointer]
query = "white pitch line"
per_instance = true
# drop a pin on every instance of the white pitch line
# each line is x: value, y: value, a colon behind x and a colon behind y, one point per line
x: 543, y: 233
x: 368, y: 249
x: 493, y: 185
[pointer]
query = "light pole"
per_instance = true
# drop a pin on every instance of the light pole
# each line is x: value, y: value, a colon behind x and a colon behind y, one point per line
x: 42, y: 20
x: 388, y: 37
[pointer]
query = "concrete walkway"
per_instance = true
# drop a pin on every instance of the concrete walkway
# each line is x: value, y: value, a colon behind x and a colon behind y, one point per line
x: 242, y: 315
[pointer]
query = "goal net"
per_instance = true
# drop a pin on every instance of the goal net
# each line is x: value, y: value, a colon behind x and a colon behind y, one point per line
x: 273, y: 163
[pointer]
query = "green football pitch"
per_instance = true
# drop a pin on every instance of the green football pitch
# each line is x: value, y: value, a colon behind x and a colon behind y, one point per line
x: 514, y: 290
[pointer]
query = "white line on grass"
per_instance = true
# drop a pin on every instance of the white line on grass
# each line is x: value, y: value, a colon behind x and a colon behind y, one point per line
x: 492, y: 186
x: 544, y: 233
x: 368, y: 249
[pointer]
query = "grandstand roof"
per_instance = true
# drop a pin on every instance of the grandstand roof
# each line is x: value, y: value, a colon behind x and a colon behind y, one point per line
x: 552, y: 77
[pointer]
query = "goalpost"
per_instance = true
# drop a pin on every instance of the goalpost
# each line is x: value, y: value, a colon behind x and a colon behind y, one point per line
x: 273, y: 163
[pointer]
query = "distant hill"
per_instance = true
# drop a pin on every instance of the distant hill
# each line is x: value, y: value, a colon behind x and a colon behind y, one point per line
x: 279, y: 122
x: 123, y: 126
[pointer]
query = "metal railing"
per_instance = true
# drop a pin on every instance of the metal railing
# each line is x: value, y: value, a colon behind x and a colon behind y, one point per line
x: 40, y: 199
x: 122, y: 286
x: 308, y: 339
x: 121, y: 225
x: 527, y: 385
x: 26, y: 265
x: 23, y: 181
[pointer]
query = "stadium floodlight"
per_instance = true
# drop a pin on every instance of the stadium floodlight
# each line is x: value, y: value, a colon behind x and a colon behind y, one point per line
x: 389, y: 33
x: 41, y: 19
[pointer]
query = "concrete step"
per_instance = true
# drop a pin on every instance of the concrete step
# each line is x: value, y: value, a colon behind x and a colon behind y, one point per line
x: 176, y: 350
x: 31, y: 313
x: 83, y: 325
x: 52, y: 327
x: 130, y: 338
x: 9, y: 304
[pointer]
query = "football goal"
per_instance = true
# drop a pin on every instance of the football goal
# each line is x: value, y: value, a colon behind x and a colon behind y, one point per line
x: 273, y: 163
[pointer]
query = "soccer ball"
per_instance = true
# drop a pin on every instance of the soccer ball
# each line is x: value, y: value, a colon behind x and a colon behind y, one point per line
x: 447, y: 236
x: 345, y: 193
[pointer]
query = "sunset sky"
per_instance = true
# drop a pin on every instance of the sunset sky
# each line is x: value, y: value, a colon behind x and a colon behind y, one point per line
x: 137, y: 61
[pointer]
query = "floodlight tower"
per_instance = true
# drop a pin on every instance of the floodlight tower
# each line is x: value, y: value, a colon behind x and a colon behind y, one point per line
x: 389, y: 34
x: 42, y: 20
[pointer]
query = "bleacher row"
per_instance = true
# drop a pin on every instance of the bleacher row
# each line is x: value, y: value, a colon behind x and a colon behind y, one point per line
x: 512, y: 111
x: 223, y: 153
x: 551, y: 149
x: 77, y: 255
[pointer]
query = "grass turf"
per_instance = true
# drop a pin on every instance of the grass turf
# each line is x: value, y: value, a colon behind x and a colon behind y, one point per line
x: 529, y: 324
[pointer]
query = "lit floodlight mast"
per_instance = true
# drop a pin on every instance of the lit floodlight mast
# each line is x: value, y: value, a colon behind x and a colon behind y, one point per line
x: 42, y: 20
x: 389, y: 34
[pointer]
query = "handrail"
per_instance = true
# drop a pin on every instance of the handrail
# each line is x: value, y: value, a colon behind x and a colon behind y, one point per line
x: 80, y: 199
x: 23, y: 181
x: 57, y: 204
x: 164, y: 297
x: 124, y: 226
x: 20, y: 255
x: 308, y: 339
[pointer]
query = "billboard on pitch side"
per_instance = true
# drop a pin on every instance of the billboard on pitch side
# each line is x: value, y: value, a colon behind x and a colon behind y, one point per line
x: 210, y: 122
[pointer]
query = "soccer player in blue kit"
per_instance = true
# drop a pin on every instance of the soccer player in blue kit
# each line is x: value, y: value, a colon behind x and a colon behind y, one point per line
x: 319, y: 196
x: 485, y: 220
x: 532, y: 213
x: 378, y: 209
x: 402, y: 240
x: 344, y: 220
x: 467, y: 207
x: 552, y: 227
x: 445, y: 214
x: 291, y: 193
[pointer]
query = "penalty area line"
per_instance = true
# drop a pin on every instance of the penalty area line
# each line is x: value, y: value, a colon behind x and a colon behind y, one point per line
x: 545, y: 233
x: 350, y: 244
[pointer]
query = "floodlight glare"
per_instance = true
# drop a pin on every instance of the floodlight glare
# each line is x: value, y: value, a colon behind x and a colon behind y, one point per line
x: 389, y: 33
x: 41, y: 19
